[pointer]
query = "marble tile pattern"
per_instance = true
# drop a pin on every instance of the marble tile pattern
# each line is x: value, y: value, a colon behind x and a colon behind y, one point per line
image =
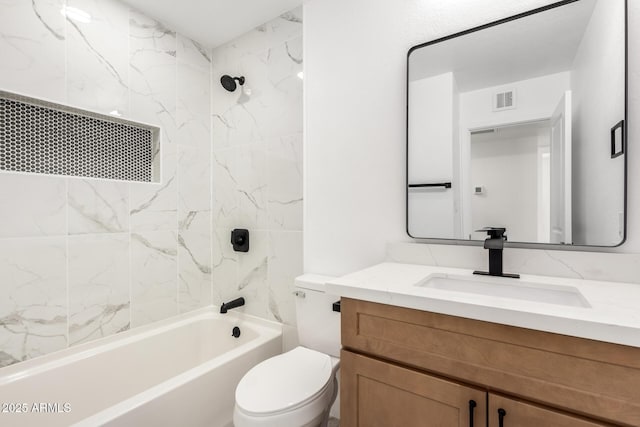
x: 96, y: 206
x: 33, y: 44
x: 285, y: 264
x: 32, y: 205
x: 87, y: 258
x: 33, y: 306
x: 194, y: 277
x: 193, y: 95
x: 98, y: 57
x: 153, y: 88
x: 257, y: 167
x: 82, y: 259
x: 612, y: 267
x: 99, y: 302
x: 154, y: 280
x: 194, y: 188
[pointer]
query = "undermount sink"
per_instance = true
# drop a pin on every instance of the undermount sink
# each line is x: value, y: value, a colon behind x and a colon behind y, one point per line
x: 507, y: 288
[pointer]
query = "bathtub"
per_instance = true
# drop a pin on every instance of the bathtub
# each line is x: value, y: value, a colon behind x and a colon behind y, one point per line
x: 178, y: 372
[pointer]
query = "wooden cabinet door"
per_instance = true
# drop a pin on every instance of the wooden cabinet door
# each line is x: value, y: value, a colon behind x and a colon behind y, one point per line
x: 521, y: 414
x: 375, y: 393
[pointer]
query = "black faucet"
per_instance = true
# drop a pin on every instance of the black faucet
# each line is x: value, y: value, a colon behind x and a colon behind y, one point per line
x: 495, y: 244
x: 238, y: 302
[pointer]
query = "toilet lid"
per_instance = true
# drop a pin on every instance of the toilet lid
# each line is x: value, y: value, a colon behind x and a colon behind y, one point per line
x: 283, y: 382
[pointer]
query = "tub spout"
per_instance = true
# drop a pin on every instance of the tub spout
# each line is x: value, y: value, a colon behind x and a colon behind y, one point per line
x: 231, y: 304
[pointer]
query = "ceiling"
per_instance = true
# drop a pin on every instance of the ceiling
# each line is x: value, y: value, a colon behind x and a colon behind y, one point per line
x: 213, y: 22
x: 515, y: 132
x: 534, y: 46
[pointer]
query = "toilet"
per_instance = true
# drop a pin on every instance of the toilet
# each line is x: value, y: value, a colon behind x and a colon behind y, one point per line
x: 296, y: 388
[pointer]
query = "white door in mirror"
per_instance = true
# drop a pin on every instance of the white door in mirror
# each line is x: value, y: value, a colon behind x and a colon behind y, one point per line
x: 561, y: 172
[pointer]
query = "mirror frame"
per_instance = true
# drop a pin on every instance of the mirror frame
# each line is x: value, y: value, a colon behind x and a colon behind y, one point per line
x: 530, y: 245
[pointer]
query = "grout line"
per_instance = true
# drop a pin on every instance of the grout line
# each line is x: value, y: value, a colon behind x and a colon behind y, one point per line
x: 178, y: 174
x: 129, y: 276
x: 129, y: 185
x: 66, y: 180
x: 211, y: 188
x: 129, y: 105
x: 66, y: 251
x: 66, y: 57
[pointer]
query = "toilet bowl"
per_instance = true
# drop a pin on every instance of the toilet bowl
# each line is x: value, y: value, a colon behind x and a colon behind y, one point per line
x: 296, y: 388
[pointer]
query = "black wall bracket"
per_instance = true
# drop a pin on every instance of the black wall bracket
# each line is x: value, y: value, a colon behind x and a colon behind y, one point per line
x: 336, y: 306
x: 617, y: 140
x: 240, y: 239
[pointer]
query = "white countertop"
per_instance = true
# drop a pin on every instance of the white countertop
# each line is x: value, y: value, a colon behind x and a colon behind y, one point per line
x: 613, y: 315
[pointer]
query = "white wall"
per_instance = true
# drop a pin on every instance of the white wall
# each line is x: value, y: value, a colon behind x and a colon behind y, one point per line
x: 596, y: 109
x: 513, y: 202
x: 355, y: 76
x: 431, y: 210
x: 536, y: 99
x: 431, y: 115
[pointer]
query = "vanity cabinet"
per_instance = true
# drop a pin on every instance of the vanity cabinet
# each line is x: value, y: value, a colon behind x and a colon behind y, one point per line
x: 524, y: 414
x: 377, y: 393
x: 405, y: 367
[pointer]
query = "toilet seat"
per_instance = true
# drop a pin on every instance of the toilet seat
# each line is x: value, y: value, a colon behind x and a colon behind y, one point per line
x: 284, y: 383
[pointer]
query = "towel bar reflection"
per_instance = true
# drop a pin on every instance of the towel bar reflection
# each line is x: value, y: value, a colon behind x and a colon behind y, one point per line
x: 436, y: 184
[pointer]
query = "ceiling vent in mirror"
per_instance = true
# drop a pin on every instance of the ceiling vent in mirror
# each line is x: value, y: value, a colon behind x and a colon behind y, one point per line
x: 504, y: 100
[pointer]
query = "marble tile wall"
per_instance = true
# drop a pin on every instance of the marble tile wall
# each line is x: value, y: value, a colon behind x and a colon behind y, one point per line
x: 80, y: 258
x: 610, y: 267
x: 257, y: 167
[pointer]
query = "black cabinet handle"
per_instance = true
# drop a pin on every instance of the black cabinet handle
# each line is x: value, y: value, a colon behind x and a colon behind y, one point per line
x: 501, y: 414
x: 472, y: 406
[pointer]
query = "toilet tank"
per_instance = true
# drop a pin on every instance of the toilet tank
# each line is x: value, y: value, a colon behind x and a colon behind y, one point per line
x: 318, y: 324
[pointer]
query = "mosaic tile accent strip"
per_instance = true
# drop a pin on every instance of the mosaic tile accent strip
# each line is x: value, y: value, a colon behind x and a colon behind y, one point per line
x: 42, y: 137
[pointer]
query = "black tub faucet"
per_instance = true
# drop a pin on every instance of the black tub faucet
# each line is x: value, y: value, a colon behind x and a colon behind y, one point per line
x: 238, y: 302
x: 495, y: 244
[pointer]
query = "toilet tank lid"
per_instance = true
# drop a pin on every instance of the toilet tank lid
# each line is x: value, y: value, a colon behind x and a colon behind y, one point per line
x: 315, y: 282
x: 283, y: 382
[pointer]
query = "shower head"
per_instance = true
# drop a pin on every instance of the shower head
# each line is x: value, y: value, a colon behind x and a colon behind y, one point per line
x: 229, y: 83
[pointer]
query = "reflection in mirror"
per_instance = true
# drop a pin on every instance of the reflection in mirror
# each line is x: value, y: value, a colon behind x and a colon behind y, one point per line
x: 520, y: 124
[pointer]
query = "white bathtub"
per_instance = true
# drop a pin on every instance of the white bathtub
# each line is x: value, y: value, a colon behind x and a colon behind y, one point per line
x: 178, y: 372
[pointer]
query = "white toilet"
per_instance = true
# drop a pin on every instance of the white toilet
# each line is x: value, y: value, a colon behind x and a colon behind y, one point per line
x: 297, y: 388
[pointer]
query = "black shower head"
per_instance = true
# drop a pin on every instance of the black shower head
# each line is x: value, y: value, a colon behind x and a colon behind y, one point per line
x: 229, y: 83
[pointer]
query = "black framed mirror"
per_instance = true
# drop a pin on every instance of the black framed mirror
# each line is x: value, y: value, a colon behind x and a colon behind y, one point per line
x: 521, y: 123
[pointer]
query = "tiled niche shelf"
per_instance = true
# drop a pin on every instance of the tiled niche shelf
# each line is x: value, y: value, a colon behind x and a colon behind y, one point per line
x: 42, y: 137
